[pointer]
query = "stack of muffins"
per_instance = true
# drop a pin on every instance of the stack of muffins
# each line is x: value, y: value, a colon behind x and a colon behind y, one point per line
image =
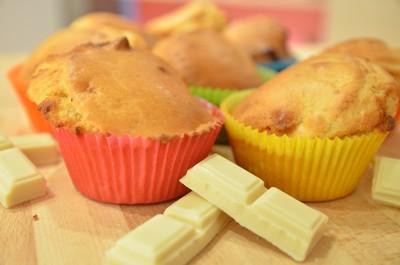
x: 119, y: 100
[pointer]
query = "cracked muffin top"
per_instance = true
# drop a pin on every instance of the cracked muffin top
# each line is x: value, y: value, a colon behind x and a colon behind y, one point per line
x: 116, y: 89
x: 205, y: 58
x: 330, y: 95
x: 83, y: 30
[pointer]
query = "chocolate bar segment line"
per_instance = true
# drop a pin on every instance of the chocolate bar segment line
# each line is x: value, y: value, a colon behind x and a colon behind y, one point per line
x: 40, y: 148
x: 172, y: 238
x: 4, y: 142
x: 193, y: 210
x: 20, y: 181
x: 277, y: 217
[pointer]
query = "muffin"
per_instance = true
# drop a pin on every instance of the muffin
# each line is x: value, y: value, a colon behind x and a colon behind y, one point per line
x: 127, y: 126
x: 261, y: 37
x: 98, y: 19
x: 205, y: 59
x: 62, y: 42
x: 199, y: 14
x: 313, y: 129
x: 345, y: 96
x: 65, y: 40
x: 110, y: 20
x: 372, y: 49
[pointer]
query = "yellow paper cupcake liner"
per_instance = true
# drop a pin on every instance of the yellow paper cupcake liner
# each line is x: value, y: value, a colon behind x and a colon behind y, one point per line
x: 217, y: 95
x: 310, y: 169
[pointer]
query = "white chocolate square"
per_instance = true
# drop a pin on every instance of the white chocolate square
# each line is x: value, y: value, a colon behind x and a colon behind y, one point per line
x: 173, y: 238
x: 157, y: 238
x: 19, y: 179
x: 287, y: 223
x: 193, y: 210
x: 40, y: 148
x: 386, y: 182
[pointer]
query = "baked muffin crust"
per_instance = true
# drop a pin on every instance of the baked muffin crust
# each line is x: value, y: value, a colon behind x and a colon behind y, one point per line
x: 263, y: 38
x: 330, y: 95
x: 97, y: 20
x: 115, y: 89
x: 205, y: 58
x: 93, y: 28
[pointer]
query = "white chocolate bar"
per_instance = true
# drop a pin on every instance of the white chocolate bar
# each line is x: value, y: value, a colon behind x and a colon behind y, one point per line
x: 386, y: 182
x: 4, y: 142
x: 287, y: 223
x: 19, y: 179
x: 173, y: 238
x: 40, y: 148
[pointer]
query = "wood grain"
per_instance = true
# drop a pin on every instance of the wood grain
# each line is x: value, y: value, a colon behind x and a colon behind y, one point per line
x: 66, y: 228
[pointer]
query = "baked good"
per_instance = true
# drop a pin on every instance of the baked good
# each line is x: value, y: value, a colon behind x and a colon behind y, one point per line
x: 96, y: 19
x: 110, y: 20
x: 262, y: 37
x: 198, y: 14
x: 205, y: 58
x: 118, y: 90
x: 68, y: 38
x: 330, y: 95
x: 127, y: 127
x: 373, y: 49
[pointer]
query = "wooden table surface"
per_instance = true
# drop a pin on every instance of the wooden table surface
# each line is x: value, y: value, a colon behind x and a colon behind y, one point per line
x: 66, y: 228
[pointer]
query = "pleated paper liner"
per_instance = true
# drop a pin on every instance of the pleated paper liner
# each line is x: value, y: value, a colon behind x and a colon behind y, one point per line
x: 133, y: 170
x: 310, y: 169
x: 36, y: 119
x: 217, y: 95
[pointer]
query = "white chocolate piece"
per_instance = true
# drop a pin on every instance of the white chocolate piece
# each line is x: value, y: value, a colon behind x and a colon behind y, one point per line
x: 40, y: 148
x: 386, y: 182
x: 287, y: 223
x: 4, y: 142
x: 19, y: 179
x: 173, y: 238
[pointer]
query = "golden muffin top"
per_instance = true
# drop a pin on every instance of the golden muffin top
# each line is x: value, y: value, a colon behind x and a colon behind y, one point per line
x: 116, y: 89
x: 263, y: 38
x: 198, y: 14
x: 205, y: 58
x: 330, y: 95
x: 372, y: 49
x: 109, y: 20
x: 65, y: 40
x: 96, y: 19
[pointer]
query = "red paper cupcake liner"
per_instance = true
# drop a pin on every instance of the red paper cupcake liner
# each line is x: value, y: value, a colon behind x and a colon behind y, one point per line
x: 133, y: 170
x: 38, y: 122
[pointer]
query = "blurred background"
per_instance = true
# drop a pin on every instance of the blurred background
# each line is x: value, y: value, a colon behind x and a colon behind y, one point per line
x: 24, y: 23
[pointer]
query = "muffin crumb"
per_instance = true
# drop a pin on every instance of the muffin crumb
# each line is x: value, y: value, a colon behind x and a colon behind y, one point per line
x: 121, y: 44
x: 78, y: 130
x: 46, y: 106
x: 283, y: 121
x: 162, y: 70
x: 388, y: 124
x: 35, y: 218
